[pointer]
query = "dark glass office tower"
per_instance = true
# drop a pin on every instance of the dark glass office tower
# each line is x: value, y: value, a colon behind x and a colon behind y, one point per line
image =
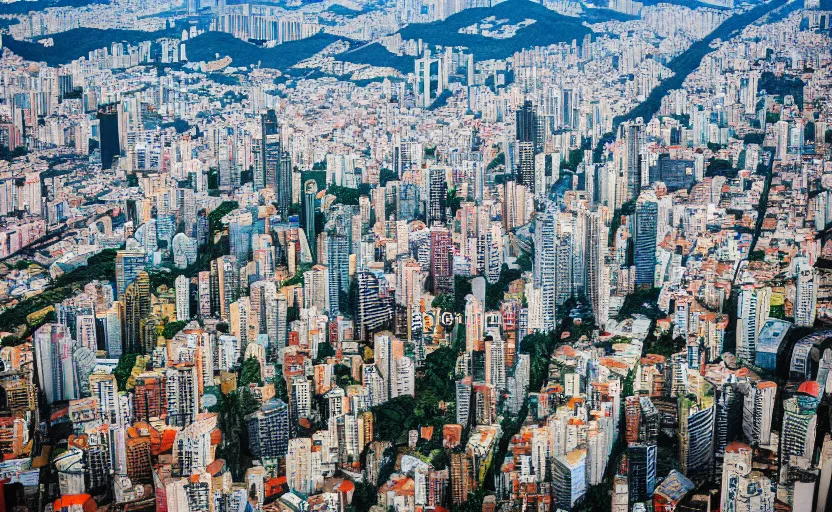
x: 108, y: 133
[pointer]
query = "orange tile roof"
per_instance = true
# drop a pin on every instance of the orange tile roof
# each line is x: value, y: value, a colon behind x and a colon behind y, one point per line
x: 215, y: 467
x: 70, y: 500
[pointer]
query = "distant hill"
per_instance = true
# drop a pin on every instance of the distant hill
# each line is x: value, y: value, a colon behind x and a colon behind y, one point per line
x: 693, y: 4
x: 206, y: 46
x: 78, y: 42
x: 377, y: 55
x: 596, y: 15
x: 25, y: 7
x: 549, y: 28
x: 342, y: 10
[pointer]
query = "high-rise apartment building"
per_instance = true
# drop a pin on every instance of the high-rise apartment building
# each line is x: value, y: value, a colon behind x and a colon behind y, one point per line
x: 128, y: 266
x: 55, y: 364
x: 646, y: 224
x: 268, y: 430
x: 641, y: 470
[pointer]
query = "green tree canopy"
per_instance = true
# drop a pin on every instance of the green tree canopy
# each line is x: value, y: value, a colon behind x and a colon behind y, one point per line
x: 325, y: 350
x: 250, y: 373
x: 171, y: 329
x: 123, y: 370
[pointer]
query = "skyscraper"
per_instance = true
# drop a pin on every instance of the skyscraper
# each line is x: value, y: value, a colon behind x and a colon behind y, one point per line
x: 526, y: 132
x: 753, y: 306
x: 300, y: 400
x: 137, y: 307
x: 375, y: 305
x: 565, y: 260
x: 268, y: 430
x: 597, y: 291
x: 310, y: 193
x: 56, y: 367
x: 569, y: 478
x: 743, y: 487
x: 696, y: 434
x: 797, y: 437
x: 299, y: 476
x: 495, y: 361
x: 431, y: 78
x: 633, y: 135
x: 149, y: 399
x: 182, y: 389
x: 474, y: 323
x: 806, y: 294
x: 183, y: 298
x: 437, y: 196
x: 526, y: 122
x: 387, y: 349
x: 646, y: 218
x: 441, y: 259
x: 758, y: 407
x: 228, y: 276
x: 128, y: 266
x: 641, y: 468
x: 339, y: 270
x: 113, y: 330
x: 108, y: 135
x: 545, y: 266
x: 265, y: 148
x: 283, y: 184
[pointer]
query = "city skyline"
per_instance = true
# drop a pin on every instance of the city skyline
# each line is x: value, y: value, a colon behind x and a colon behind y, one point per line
x: 415, y: 255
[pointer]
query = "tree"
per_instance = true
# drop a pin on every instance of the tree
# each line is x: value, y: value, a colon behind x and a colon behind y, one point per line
x: 498, y: 160
x: 123, y: 370
x: 454, y: 201
x: 438, y: 378
x: 347, y: 196
x: 172, y: 328
x: 758, y: 255
x: 753, y: 138
x: 12, y: 341
x: 280, y: 389
x: 325, y: 350
x: 473, y: 503
x: 394, y: 418
x: 213, y: 178
x: 524, y: 261
x: 539, y: 346
x: 5, y: 154
x: 233, y: 448
x: 388, y: 465
x: 809, y: 131
x: 462, y: 288
x: 443, y: 301
x: 494, y: 293
x: 216, y: 215
x: 576, y: 156
x: 250, y: 373
x: 386, y: 176
x: 364, y: 497
x: 343, y: 375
